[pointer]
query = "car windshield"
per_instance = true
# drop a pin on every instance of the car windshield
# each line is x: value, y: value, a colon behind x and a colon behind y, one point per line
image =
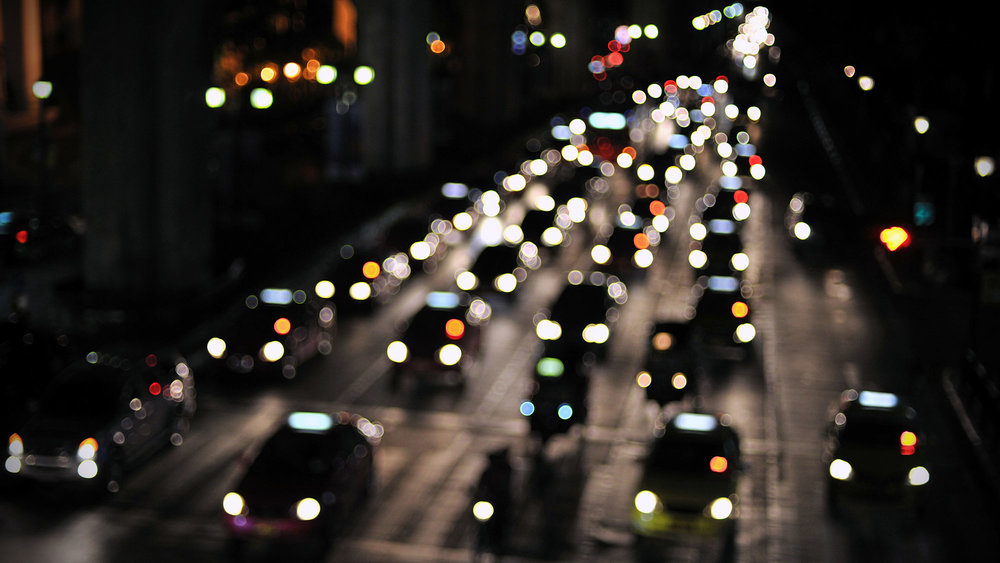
x: 495, y: 260
x: 427, y: 328
x: 687, y: 455
x: 84, y: 394
x: 302, y: 453
x: 585, y: 303
x: 869, y: 431
x: 257, y: 325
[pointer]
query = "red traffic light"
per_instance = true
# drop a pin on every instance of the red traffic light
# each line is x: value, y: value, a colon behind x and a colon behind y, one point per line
x: 894, y: 238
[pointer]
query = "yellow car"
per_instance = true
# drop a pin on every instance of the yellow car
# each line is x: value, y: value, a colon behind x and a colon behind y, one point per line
x: 876, y: 450
x: 689, y: 481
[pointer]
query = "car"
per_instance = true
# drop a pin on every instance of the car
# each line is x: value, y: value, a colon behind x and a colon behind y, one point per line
x: 103, y: 416
x: 688, y: 488
x: 670, y: 369
x: 625, y: 248
x: 580, y: 322
x: 304, y: 481
x: 273, y: 333
x: 361, y: 280
x: 542, y: 227
x: 29, y: 358
x: 413, y: 235
x: 440, y: 343
x: 557, y: 398
x: 723, y: 203
x: 819, y: 227
x: 876, y: 451
x: 455, y: 204
x: 723, y: 328
x: 497, y: 271
x: 717, y: 249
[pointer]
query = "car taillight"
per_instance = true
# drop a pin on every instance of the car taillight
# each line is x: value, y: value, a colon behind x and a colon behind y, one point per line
x: 907, y: 443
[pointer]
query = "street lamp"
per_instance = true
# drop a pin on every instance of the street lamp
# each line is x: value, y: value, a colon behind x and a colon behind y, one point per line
x: 42, y: 89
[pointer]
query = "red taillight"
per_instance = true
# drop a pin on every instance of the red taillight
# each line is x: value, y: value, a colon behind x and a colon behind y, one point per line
x: 907, y: 443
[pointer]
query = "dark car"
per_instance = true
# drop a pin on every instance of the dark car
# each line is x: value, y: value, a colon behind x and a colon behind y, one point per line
x: 497, y: 271
x: 543, y: 228
x: 361, y: 279
x: 626, y: 247
x: 671, y: 368
x: 557, y: 398
x: 103, y: 416
x: 720, y: 251
x: 274, y: 333
x: 722, y: 322
x: 441, y: 342
x: 579, y: 323
x: 690, y: 481
x: 29, y: 359
x: 876, y: 452
x: 305, y: 481
x: 819, y: 227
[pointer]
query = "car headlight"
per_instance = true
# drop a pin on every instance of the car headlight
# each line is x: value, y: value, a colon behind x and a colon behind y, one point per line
x: 449, y: 354
x: 739, y: 261
x: 596, y: 333
x: 918, y: 476
x: 307, y: 509
x: 482, y: 510
x: 15, y: 449
x: 745, y: 333
x: 643, y: 258
x: 600, y: 254
x: 721, y: 508
x: 272, y: 351
x: 216, y: 347
x: 505, y: 283
x: 466, y: 281
x: 647, y: 502
x: 233, y: 504
x: 15, y: 446
x: 802, y: 230
x: 548, y: 330
x: 698, y: 259
x: 841, y: 470
x: 360, y: 291
x: 552, y: 236
x: 397, y: 351
x: 87, y: 449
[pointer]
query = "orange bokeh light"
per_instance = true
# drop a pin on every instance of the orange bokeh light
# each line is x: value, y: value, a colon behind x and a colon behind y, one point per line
x: 454, y: 328
x: 740, y: 309
x: 641, y: 241
x: 718, y: 464
x: 371, y: 270
x: 282, y: 326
